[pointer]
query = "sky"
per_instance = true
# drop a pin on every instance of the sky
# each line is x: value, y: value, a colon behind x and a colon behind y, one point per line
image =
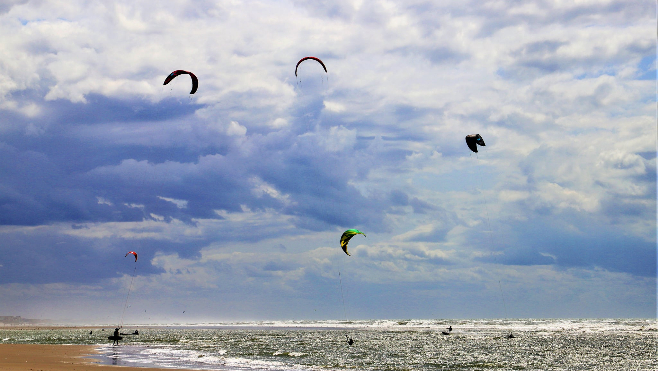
x: 235, y: 197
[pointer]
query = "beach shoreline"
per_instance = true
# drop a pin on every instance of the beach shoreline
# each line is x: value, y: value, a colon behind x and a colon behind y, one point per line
x: 58, y: 357
x: 556, y: 344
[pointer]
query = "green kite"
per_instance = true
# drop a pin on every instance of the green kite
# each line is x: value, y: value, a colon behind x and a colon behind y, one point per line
x: 347, y: 235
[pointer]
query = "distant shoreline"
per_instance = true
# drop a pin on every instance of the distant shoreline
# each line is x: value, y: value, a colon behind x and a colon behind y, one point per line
x: 48, y: 327
x: 151, y: 326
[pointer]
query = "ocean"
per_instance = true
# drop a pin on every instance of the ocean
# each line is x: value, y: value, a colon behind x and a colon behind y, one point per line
x: 538, y: 344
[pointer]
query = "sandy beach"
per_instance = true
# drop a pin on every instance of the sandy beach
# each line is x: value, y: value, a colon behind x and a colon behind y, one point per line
x: 38, y: 357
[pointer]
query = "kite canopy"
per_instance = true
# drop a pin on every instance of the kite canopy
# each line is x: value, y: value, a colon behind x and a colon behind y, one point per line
x: 132, y: 252
x: 314, y: 58
x: 195, y: 81
x: 347, y: 235
x: 472, y: 140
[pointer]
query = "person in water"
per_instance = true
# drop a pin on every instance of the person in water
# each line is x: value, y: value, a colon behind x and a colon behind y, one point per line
x: 116, y: 336
x: 349, y: 340
x: 450, y: 328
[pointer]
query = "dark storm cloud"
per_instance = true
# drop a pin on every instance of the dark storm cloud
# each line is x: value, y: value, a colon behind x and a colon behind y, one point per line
x: 63, y: 138
x: 317, y: 182
x: 36, y: 191
x: 101, y: 109
x: 209, y: 184
x: 116, y: 160
x: 594, y: 245
x: 45, y: 176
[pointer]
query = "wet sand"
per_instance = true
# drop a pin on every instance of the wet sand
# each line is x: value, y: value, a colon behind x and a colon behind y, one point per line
x: 38, y: 357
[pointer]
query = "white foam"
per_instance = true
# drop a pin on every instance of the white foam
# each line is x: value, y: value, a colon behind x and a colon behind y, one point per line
x: 583, y: 325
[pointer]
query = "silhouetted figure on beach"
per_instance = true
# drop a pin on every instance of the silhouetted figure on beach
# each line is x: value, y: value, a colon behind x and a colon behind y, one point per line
x: 349, y: 340
x: 115, y: 337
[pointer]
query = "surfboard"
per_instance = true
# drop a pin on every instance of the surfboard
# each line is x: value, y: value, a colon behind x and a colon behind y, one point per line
x: 115, y: 337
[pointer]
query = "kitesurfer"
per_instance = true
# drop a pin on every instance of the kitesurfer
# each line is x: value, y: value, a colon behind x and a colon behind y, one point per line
x: 116, y: 336
x: 349, y: 340
x: 450, y: 328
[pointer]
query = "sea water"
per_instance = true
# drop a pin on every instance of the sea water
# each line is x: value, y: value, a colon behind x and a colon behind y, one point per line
x: 538, y: 344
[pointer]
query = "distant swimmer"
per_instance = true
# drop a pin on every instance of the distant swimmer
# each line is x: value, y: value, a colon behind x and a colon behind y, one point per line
x: 510, y: 336
x: 349, y: 340
x: 91, y: 332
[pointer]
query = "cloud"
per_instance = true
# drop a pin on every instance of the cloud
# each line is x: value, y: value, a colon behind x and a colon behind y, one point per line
x: 181, y: 204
